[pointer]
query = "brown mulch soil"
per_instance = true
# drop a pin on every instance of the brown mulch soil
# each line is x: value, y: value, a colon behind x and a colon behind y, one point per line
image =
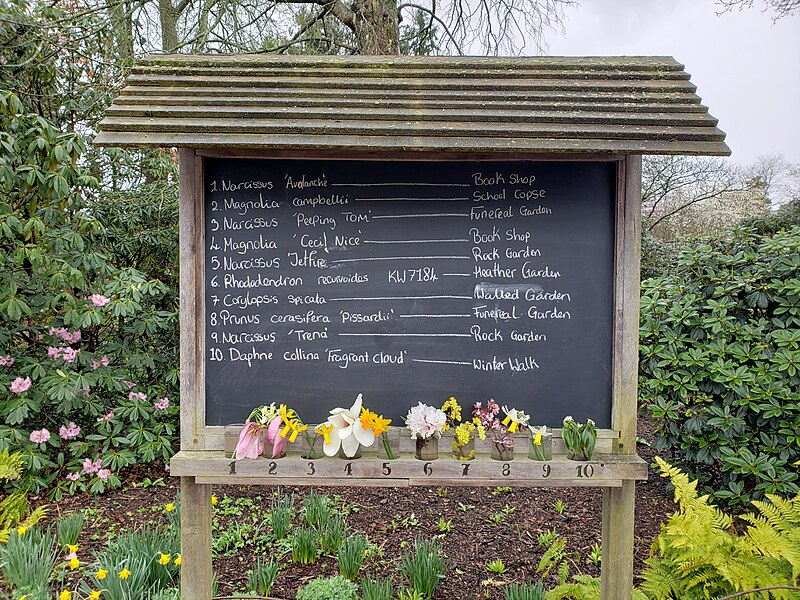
x: 392, y: 518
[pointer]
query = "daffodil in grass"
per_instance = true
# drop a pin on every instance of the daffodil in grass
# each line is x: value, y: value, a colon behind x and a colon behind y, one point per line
x: 515, y: 419
x: 124, y: 574
x: 178, y: 560
x: 74, y: 563
x: 21, y: 530
x: 164, y: 559
x: 170, y: 507
x: 348, y: 432
x: 94, y: 595
x: 101, y: 574
x: 65, y: 595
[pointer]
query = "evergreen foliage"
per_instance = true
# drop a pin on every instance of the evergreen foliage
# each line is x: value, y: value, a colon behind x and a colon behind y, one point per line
x: 89, y: 349
x: 720, y: 363
x: 14, y: 507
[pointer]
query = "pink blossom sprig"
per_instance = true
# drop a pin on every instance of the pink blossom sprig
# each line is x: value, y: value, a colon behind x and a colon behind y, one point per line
x: 69, y: 432
x: 39, y: 436
x: 6, y: 361
x: 162, y: 404
x: 71, y: 337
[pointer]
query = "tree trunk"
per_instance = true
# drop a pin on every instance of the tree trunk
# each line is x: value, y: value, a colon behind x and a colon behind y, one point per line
x: 122, y: 27
x: 375, y: 26
x: 168, y: 15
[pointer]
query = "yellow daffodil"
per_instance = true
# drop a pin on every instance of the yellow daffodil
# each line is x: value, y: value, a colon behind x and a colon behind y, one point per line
x: 74, y: 563
x: 514, y: 419
x: 164, y: 559
x: 95, y: 595
x: 324, y: 429
x: 538, y: 439
x: 25, y: 597
x: 178, y: 560
x: 21, y: 530
x: 101, y: 574
x: 214, y: 500
x: 65, y: 595
x: 170, y: 507
x: 124, y: 574
x: 72, y: 548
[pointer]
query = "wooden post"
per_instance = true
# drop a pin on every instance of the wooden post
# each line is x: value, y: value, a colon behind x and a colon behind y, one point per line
x: 195, y: 540
x: 195, y: 498
x: 618, y: 503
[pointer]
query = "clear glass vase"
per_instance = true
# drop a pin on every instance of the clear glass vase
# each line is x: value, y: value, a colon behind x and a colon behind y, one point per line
x: 427, y: 448
x: 312, y: 445
x: 465, y: 452
x: 541, y: 446
x: 501, y: 452
x: 356, y: 455
x: 388, y: 443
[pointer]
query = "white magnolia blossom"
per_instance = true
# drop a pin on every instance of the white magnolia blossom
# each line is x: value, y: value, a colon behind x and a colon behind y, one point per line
x: 348, y: 432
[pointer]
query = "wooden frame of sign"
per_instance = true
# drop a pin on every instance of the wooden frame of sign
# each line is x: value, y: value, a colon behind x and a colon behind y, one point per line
x: 202, y: 460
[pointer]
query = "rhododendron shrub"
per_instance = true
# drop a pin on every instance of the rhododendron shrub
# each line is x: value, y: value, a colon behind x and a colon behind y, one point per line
x: 88, y: 376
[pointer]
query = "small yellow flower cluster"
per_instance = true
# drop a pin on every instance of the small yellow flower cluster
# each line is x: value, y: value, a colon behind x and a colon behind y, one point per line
x: 374, y: 421
x: 452, y: 409
x: 169, y: 507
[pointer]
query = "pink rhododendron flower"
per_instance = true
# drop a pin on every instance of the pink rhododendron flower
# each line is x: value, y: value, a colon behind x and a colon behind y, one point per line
x: 66, y: 335
x: 20, y: 385
x: 104, y: 474
x: 40, y: 436
x: 161, y: 404
x: 130, y: 384
x: 6, y: 361
x: 69, y: 432
x: 69, y: 354
x: 106, y: 417
x: 251, y: 443
x: 103, y: 362
x: 92, y: 466
x: 137, y: 396
x: 54, y: 352
x: 74, y: 476
x: 99, y: 300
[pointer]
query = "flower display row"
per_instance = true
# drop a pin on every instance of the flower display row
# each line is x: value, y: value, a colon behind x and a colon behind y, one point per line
x: 347, y: 431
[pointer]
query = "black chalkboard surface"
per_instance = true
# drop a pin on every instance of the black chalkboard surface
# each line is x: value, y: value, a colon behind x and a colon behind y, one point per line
x: 408, y: 282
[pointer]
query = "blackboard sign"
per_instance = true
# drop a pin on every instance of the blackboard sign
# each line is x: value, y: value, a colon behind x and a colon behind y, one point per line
x: 408, y: 281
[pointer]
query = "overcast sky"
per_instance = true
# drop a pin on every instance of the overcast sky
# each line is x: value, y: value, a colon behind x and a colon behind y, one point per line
x: 746, y: 68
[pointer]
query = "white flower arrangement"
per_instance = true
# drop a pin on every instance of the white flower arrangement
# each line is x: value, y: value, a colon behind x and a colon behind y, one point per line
x: 425, y: 421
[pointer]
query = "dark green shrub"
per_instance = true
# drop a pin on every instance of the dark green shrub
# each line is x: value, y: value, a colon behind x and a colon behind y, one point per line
x: 88, y: 348
x: 720, y: 363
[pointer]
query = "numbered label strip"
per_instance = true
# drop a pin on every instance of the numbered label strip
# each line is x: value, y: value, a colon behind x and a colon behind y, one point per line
x: 608, y: 471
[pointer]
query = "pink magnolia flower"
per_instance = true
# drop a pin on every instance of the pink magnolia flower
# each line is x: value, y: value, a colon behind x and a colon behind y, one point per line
x: 90, y: 466
x: 274, y: 438
x: 106, y: 417
x: 69, y: 432
x: 74, y: 476
x: 99, y: 300
x: 251, y: 444
x: 104, y: 474
x: 6, y: 361
x: 40, y: 436
x: 20, y: 385
x: 161, y: 404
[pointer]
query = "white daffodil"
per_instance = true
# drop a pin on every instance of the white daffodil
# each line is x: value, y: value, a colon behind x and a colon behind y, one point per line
x: 515, y: 418
x: 348, y: 431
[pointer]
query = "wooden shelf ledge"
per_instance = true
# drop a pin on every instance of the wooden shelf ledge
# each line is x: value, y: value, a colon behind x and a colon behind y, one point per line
x: 604, y: 470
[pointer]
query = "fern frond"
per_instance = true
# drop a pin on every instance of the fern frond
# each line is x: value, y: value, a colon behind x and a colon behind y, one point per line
x: 39, y: 513
x: 12, y: 509
x: 10, y: 465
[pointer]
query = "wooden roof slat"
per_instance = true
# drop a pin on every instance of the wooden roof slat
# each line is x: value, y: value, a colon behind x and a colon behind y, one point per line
x: 420, y: 113
x: 617, y: 105
x: 427, y: 128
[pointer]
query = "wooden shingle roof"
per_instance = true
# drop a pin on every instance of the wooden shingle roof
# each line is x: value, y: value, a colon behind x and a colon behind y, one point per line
x: 616, y: 105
